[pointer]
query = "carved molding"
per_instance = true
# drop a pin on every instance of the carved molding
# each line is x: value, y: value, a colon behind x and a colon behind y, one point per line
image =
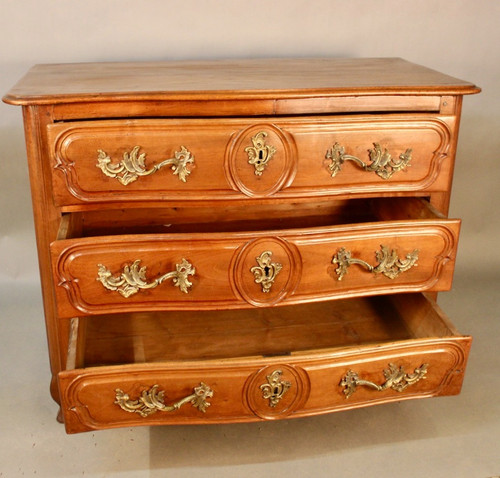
x: 260, y: 183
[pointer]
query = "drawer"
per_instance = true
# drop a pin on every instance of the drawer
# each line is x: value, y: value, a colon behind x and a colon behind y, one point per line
x: 337, y: 256
x: 142, y: 369
x: 193, y: 160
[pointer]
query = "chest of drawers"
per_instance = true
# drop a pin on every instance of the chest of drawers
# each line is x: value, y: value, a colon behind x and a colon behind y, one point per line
x: 243, y: 240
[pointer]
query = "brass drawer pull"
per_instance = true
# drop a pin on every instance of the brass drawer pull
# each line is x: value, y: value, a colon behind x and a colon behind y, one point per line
x: 152, y: 400
x: 381, y: 164
x: 395, y: 378
x: 133, y: 278
x: 133, y: 165
x: 389, y: 263
x: 266, y: 271
x: 260, y: 153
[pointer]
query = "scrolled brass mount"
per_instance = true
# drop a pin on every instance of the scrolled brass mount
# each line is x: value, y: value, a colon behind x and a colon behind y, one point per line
x: 395, y: 378
x: 389, y: 264
x: 152, y: 400
x: 133, y: 278
x: 275, y: 388
x: 266, y: 271
x: 133, y: 165
x: 260, y: 153
x: 381, y: 164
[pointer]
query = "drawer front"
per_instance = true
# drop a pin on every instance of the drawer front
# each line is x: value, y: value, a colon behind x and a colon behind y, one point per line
x: 241, y: 270
x: 256, y: 389
x: 236, y: 159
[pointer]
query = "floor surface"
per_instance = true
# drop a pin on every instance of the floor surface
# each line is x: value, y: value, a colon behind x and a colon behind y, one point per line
x: 440, y: 437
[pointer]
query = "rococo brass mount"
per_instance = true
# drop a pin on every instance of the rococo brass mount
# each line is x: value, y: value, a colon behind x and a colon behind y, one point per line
x: 275, y: 388
x: 395, y: 378
x: 133, y: 278
x: 152, y: 400
x: 260, y: 153
x: 133, y: 165
x: 265, y: 273
x: 382, y: 163
x: 389, y: 264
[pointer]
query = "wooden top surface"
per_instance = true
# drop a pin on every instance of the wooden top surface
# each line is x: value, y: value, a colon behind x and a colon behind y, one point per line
x: 229, y: 79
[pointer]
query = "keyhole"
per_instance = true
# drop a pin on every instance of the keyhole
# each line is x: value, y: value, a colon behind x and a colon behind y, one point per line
x: 261, y: 155
x: 267, y: 270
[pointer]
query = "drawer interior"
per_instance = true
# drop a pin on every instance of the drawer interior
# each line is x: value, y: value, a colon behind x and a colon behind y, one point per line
x: 190, y: 336
x: 252, y: 217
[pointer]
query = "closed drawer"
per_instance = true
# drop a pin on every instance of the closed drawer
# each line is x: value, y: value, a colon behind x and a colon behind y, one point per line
x: 233, y: 366
x: 189, y: 161
x: 385, y: 252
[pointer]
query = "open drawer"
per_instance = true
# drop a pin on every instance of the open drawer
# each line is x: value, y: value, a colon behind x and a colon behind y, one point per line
x: 268, y: 363
x: 352, y: 248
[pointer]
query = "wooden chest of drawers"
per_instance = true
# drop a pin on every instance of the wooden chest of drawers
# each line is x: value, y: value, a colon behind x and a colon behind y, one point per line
x: 243, y: 240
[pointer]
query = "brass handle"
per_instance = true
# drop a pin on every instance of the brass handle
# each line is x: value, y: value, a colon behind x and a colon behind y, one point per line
x: 260, y: 153
x: 266, y: 272
x: 133, y: 278
x: 382, y: 163
x: 389, y: 263
x: 152, y: 400
x: 395, y: 378
x: 133, y: 165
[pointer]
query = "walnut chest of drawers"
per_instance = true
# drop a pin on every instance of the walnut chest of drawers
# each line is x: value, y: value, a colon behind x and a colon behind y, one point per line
x: 243, y: 240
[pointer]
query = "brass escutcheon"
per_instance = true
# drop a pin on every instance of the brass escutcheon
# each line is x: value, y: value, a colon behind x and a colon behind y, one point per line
x: 275, y: 388
x: 260, y: 153
x: 265, y: 273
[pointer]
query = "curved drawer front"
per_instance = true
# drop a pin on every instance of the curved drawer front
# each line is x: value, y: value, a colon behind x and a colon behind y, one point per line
x: 257, y: 388
x: 242, y: 270
x: 236, y: 159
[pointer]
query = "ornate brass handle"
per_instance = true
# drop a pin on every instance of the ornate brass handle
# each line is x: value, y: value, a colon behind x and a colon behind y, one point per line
x: 133, y: 278
x: 260, y: 153
x: 152, y: 400
x: 389, y: 263
x: 133, y: 165
x: 395, y: 378
x: 382, y: 163
x: 266, y: 271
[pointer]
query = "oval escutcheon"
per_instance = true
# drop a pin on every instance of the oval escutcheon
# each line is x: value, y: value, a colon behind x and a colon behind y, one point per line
x: 276, y: 391
x: 261, y: 160
x: 266, y: 270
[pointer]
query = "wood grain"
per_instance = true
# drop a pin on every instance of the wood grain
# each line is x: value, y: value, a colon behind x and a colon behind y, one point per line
x: 226, y: 331
x: 298, y: 170
x: 234, y: 362
x: 224, y: 261
x: 275, y: 78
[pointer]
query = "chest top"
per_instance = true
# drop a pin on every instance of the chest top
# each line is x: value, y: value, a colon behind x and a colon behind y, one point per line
x: 229, y: 79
